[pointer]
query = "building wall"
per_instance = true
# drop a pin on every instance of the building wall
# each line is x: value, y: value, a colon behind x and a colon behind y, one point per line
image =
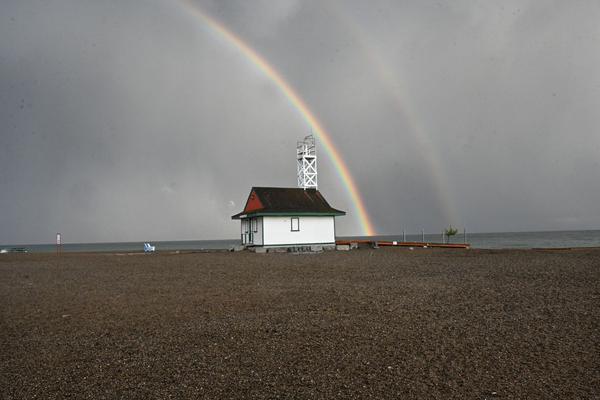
x: 311, y: 230
x: 258, y: 234
x: 252, y: 231
x: 244, y: 230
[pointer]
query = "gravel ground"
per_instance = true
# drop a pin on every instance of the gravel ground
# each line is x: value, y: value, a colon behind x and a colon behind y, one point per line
x: 383, y: 323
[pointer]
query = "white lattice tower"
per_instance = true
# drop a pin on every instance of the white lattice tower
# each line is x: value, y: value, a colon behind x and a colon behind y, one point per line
x: 306, y: 153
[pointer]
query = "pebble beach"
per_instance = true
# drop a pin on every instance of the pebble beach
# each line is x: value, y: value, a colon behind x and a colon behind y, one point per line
x: 367, y: 323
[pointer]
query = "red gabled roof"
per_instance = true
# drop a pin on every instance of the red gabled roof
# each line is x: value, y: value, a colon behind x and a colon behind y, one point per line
x: 253, y: 203
x: 286, y: 201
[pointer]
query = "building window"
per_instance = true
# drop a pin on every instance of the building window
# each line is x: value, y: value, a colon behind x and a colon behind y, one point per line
x: 254, y: 225
x: 295, y: 224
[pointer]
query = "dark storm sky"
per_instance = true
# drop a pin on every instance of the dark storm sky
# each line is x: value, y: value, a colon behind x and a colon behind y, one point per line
x: 135, y: 120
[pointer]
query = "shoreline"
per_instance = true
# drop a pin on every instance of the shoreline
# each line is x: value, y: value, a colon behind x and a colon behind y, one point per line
x: 527, y: 240
x: 415, y: 246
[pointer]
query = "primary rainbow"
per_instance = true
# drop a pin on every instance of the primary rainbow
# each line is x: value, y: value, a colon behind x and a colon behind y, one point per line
x: 298, y: 103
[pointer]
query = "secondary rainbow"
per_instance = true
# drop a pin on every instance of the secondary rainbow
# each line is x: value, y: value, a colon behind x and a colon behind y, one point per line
x: 429, y: 153
x: 299, y: 104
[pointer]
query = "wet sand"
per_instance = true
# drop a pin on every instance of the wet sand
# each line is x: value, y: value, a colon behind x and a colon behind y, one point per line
x: 385, y: 323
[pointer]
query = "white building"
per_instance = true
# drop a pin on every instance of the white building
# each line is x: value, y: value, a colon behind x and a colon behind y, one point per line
x: 287, y: 217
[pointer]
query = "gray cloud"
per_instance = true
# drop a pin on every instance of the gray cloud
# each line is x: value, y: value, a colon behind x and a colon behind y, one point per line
x: 137, y: 121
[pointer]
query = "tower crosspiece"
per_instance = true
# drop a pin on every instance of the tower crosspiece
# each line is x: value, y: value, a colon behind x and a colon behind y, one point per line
x: 306, y: 154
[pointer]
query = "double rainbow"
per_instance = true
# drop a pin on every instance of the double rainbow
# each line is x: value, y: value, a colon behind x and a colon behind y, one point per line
x: 299, y: 104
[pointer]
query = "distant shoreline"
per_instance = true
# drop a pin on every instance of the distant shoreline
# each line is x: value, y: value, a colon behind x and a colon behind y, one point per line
x: 206, y: 251
x: 527, y: 240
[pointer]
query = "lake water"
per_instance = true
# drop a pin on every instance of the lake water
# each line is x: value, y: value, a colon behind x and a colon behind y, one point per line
x: 519, y: 240
x: 513, y: 240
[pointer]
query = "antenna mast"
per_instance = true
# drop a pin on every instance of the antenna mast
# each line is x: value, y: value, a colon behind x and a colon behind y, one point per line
x: 306, y: 154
